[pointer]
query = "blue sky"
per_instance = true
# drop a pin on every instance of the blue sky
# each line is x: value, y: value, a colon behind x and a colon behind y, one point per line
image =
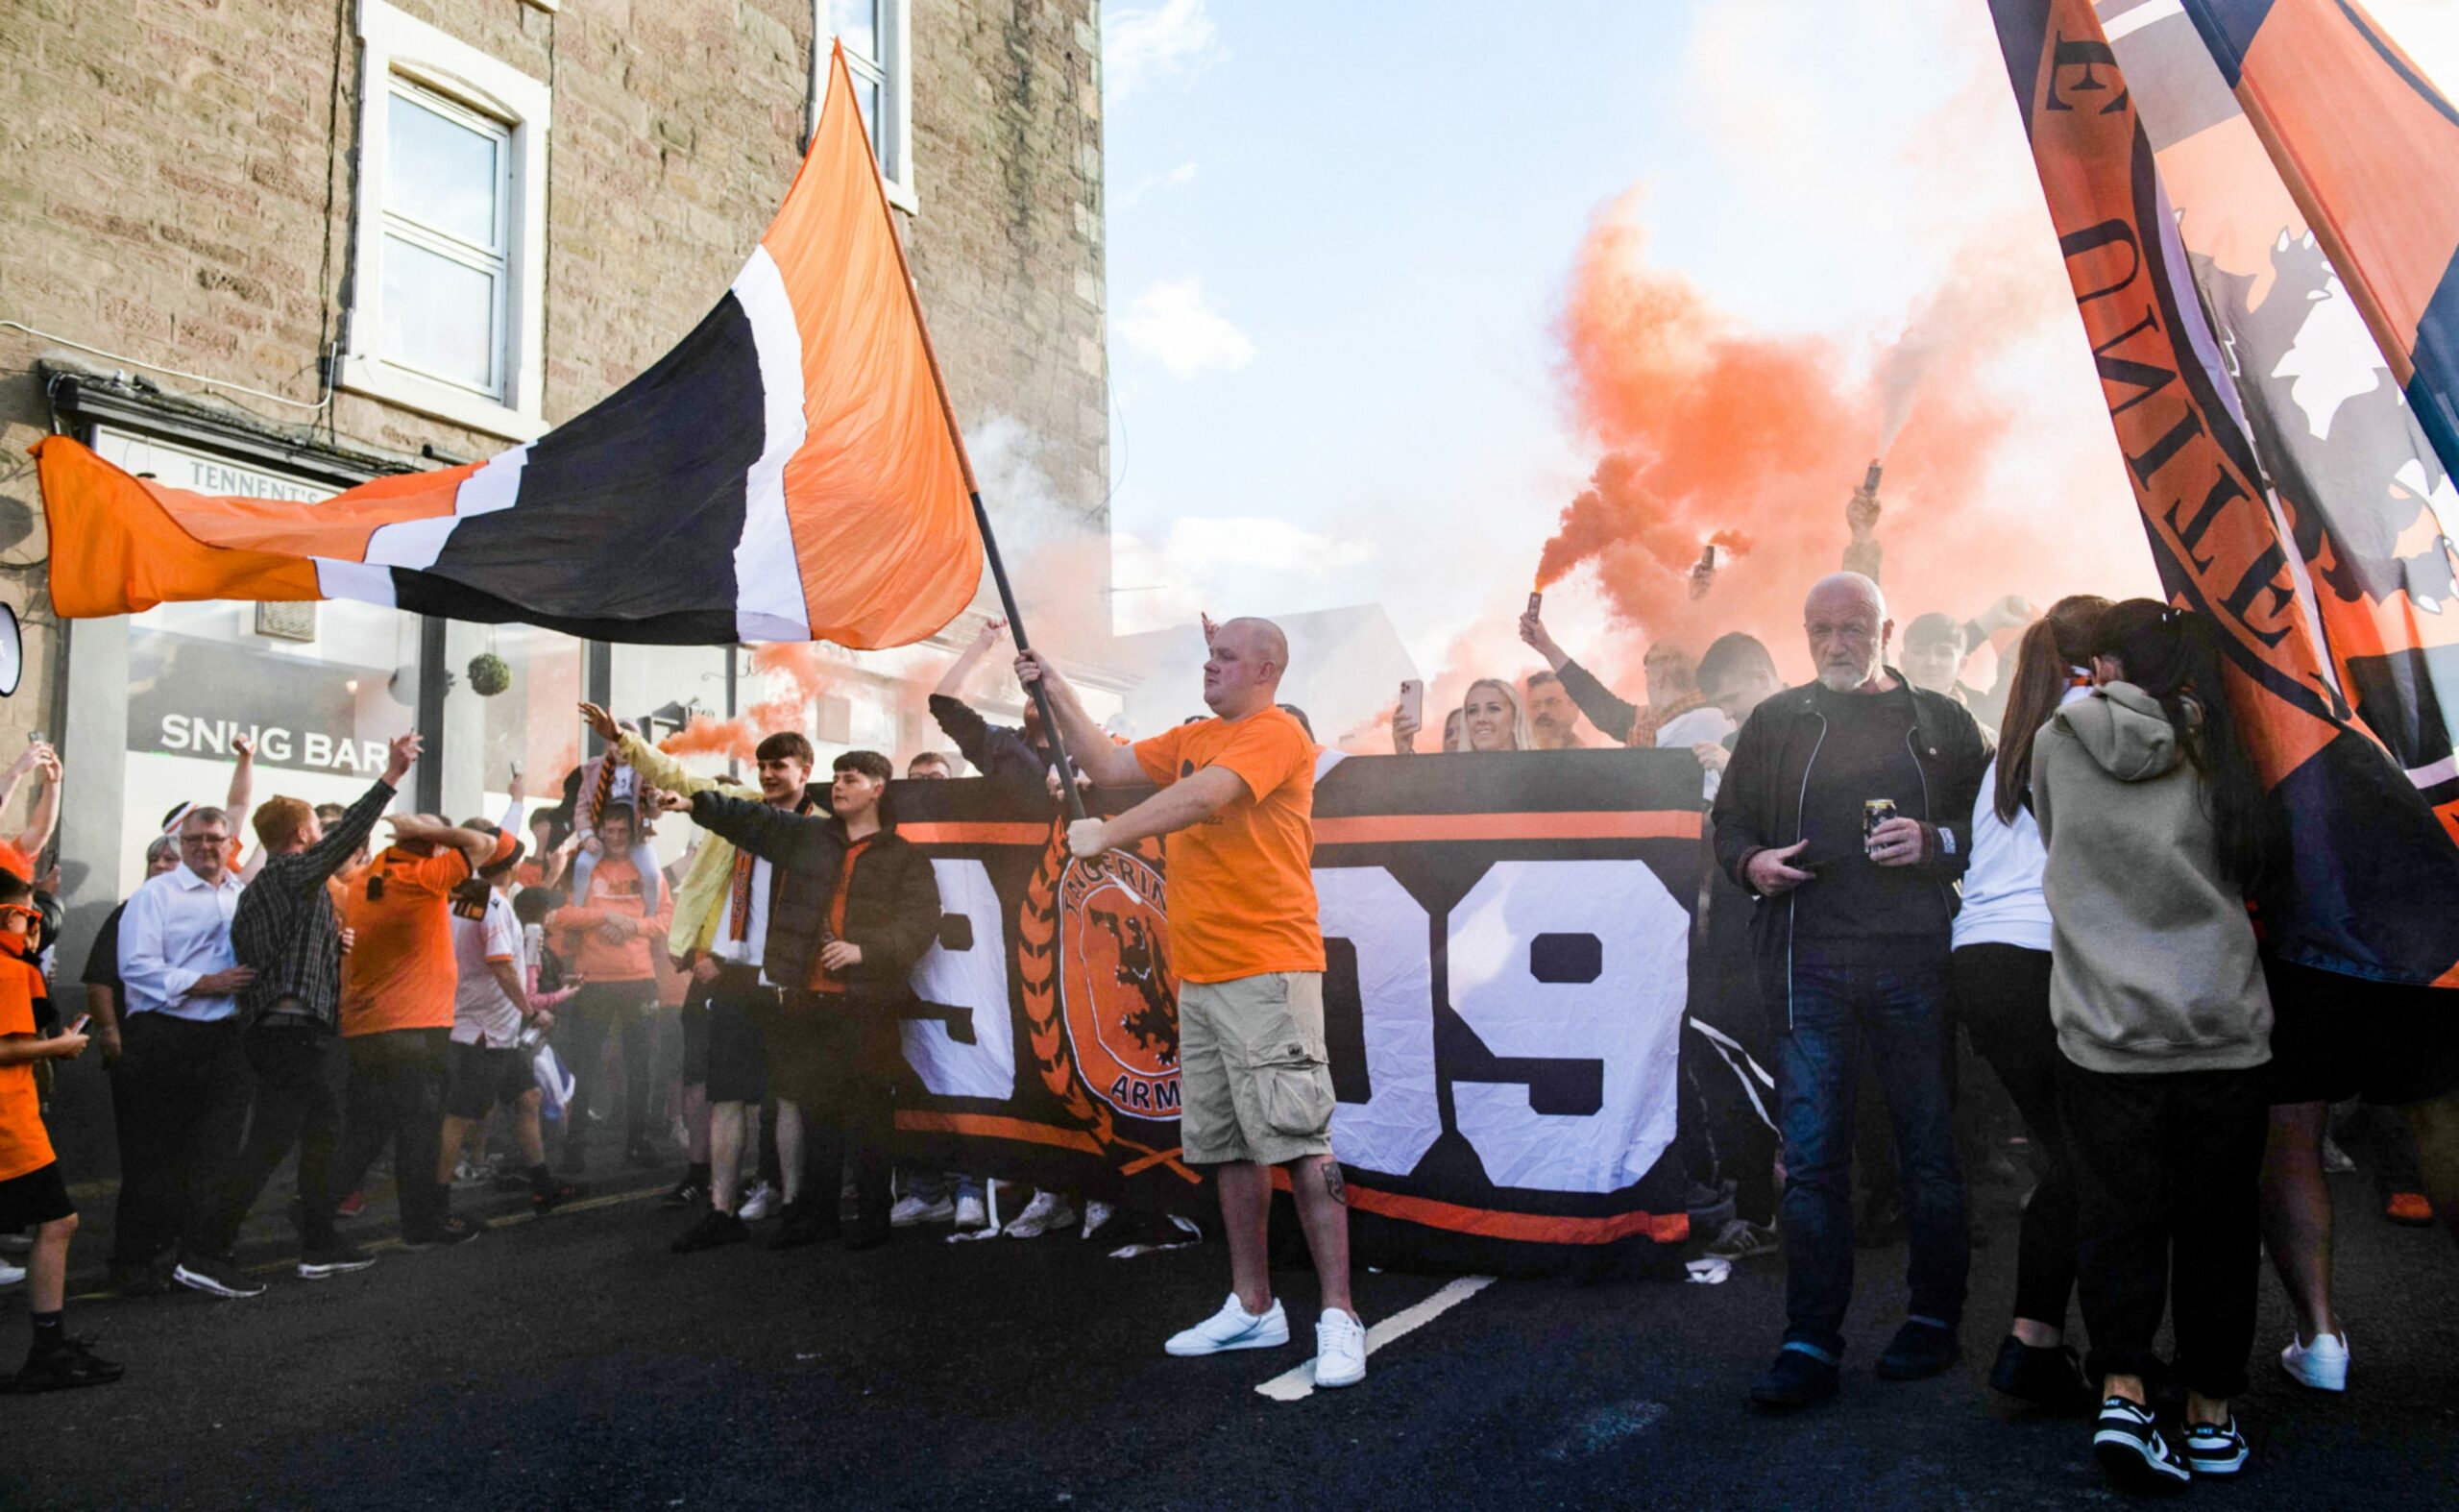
x: 1339, y: 234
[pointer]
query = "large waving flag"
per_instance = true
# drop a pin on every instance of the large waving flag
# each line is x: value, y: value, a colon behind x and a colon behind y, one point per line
x: 790, y: 471
x: 2288, y: 481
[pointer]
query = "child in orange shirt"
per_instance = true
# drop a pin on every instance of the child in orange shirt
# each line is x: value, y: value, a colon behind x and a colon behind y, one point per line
x: 32, y: 1193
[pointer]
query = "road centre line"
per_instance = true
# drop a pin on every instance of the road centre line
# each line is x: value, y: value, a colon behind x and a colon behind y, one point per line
x: 1299, y: 1383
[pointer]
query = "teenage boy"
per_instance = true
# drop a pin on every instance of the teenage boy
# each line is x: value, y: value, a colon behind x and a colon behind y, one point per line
x: 856, y: 909
x: 32, y: 1194
x: 720, y: 925
x: 487, y: 1064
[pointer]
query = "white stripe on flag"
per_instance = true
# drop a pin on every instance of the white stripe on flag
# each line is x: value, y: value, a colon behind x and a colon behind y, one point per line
x: 418, y: 542
x: 768, y: 581
x: 354, y: 580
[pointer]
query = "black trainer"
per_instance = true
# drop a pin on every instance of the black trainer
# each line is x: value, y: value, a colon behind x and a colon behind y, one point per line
x: 1796, y: 1380
x: 802, y: 1223
x: 2216, y: 1449
x: 688, y: 1193
x: 325, y: 1261
x: 1920, y: 1350
x: 552, y: 1196
x: 65, y: 1366
x: 2133, y: 1453
x: 714, y: 1230
x: 2046, y: 1376
x: 216, y: 1276
x: 456, y: 1230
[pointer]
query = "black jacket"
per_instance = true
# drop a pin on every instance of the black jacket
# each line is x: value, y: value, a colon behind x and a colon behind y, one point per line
x: 994, y: 749
x: 892, y: 910
x: 1759, y: 805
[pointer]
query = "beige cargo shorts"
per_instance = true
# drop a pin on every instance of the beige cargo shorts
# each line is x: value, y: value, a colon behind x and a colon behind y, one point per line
x: 1254, y: 1081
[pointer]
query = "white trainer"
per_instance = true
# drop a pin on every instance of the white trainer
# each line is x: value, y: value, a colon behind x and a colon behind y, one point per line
x: 1234, y: 1328
x: 1047, y: 1213
x: 1096, y: 1216
x: 911, y: 1210
x: 971, y: 1214
x: 1340, y: 1349
x: 11, y: 1275
x: 2319, y: 1366
x: 757, y: 1202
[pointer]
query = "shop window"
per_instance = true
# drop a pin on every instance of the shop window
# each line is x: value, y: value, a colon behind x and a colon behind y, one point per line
x: 448, y: 284
x: 878, y: 50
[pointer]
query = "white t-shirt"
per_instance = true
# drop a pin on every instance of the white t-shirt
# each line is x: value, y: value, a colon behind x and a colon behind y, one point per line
x: 484, y: 1013
x: 748, y: 950
x: 1704, y: 725
x: 2003, y: 903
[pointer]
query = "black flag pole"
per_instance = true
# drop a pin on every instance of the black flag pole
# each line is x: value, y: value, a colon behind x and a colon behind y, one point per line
x: 1040, y: 693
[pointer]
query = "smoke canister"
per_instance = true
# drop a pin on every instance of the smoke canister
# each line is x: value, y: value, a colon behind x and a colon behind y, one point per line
x: 1871, y: 479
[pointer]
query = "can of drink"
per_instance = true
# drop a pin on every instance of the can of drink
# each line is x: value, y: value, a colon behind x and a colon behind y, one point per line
x: 1876, y: 812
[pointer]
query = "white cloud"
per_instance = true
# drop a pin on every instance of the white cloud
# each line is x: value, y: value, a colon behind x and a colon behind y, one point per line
x: 1175, y: 178
x: 1143, y: 46
x: 1173, y: 324
x: 1231, y: 559
x: 1262, y: 541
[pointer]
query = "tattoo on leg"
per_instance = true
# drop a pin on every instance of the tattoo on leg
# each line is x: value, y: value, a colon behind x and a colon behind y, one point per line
x: 1332, y: 1184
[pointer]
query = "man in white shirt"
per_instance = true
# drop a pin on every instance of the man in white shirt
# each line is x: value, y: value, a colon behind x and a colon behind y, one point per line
x: 486, y: 1063
x: 182, y: 1087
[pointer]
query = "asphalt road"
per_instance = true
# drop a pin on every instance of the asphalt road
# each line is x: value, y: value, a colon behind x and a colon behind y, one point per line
x: 573, y: 1361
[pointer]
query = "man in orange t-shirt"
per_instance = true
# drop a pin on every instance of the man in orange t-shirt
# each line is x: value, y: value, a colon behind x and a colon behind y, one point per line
x: 610, y: 935
x: 1237, y: 804
x: 400, y: 981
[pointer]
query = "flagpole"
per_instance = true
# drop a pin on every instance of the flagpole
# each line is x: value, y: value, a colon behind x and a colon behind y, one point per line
x: 973, y: 489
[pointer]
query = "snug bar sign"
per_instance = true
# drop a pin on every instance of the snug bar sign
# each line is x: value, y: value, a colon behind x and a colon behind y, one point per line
x: 199, y: 735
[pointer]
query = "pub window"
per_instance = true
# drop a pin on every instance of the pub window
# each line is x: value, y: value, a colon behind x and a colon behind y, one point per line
x: 877, y: 42
x: 449, y: 249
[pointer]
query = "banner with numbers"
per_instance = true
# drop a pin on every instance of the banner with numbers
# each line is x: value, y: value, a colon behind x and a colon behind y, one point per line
x: 1507, y: 939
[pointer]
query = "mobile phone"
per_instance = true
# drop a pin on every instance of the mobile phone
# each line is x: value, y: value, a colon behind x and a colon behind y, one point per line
x: 79, y: 1027
x: 1413, y: 701
x: 36, y: 737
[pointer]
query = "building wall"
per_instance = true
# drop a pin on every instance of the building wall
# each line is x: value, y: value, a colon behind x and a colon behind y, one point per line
x: 177, y: 185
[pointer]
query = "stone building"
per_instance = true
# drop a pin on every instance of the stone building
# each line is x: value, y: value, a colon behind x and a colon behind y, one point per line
x: 275, y: 248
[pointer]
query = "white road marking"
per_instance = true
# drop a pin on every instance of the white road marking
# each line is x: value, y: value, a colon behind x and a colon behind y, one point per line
x: 1293, y: 1385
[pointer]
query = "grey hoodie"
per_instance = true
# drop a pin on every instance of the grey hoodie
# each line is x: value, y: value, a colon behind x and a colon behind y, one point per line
x: 2152, y: 965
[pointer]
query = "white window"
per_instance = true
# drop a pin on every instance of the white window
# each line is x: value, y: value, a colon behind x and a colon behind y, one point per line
x: 878, y: 54
x: 448, y: 275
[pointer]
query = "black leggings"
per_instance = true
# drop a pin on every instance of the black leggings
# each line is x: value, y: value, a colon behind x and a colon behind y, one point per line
x: 2001, y: 995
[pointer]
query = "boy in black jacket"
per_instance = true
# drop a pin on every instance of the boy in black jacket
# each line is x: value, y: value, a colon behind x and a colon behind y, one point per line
x: 855, y: 906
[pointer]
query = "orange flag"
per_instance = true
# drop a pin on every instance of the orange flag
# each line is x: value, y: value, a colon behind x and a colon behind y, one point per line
x: 790, y: 471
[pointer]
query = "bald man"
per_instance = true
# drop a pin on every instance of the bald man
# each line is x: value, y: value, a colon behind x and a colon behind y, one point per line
x: 1846, y: 811
x: 1238, y: 803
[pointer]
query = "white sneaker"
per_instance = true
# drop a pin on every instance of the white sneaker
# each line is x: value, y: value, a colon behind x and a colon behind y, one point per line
x: 1340, y: 1349
x: 2320, y: 1366
x: 11, y: 1275
x: 1234, y: 1328
x: 911, y: 1210
x: 971, y: 1214
x: 757, y: 1200
x: 1046, y: 1213
x: 1096, y: 1215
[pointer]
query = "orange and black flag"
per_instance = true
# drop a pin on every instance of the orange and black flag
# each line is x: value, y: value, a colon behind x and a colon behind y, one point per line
x: 790, y: 471
x: 2258, y: 203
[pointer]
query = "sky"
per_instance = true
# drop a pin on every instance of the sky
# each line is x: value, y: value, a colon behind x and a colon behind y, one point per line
x: 1344, y: 243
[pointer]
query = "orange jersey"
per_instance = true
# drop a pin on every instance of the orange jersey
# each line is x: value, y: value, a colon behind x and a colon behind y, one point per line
x: 614, y: 889
x: 399, y: 972
x: 25, y: 1146
x: 1242, y: 882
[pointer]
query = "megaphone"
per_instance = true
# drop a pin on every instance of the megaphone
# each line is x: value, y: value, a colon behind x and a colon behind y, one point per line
x: 13, y: 651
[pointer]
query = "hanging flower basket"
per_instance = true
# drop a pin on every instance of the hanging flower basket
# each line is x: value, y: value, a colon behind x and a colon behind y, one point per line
x: 489, y: 675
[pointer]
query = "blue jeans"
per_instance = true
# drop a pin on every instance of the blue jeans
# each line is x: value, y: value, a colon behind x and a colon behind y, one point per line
x: 1891, y: 997
x: 916, y: 1180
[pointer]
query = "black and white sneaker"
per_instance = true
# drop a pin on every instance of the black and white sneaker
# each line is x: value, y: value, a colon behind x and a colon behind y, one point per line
x: 325, y: 1261
x: 2133, y: 1453
x: 2216, y: 1449
x: 215, y: 1275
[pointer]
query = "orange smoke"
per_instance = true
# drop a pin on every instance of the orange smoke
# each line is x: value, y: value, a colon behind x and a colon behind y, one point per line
x: 807, y: 677
x: 1717, y: 434
x: 710, y: 737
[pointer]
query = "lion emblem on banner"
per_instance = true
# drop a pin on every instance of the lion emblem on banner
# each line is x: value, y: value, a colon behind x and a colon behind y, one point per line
x: 1100, y: 995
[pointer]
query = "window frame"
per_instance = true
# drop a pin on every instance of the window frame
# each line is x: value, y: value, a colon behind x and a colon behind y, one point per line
x: 893, y: 72
x: 397, y: 50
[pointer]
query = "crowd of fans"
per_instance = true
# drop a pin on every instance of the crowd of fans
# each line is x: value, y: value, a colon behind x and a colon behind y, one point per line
x: 1910, y: 878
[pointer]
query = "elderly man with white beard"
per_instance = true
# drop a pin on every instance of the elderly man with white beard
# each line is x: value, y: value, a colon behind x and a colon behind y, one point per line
x: 1846, y: 812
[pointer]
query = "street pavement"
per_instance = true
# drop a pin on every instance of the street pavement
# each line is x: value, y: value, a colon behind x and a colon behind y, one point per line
x: 573, y: 1361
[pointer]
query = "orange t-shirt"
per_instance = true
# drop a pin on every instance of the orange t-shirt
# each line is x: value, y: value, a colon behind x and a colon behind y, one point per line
x: 613, y: 889
x: 1242, y: 883
x: 821, y: 979
x: 400, y: 972
x: 16, y: 863
x: 25, y: 1146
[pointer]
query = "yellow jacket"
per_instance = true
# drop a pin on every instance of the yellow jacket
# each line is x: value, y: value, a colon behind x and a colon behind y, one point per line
x: 701, y: 896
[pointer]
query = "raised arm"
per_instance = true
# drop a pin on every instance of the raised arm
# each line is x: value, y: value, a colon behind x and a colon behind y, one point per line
x: 771, y: 834
x: 45, y: 818
x: 243, y: 779
x: 350, y: 831
x: 961, y: 671
x: 481, y: 847
x: 1616, y: 716
x: 1110, y: 765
